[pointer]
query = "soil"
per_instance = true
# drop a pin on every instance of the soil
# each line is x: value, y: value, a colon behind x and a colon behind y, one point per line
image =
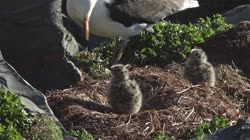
x: 170, y: 102
x: 230, y: 46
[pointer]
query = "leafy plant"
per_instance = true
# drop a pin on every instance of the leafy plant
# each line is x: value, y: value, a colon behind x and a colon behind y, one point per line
x: 15, y: 122
x: 105, y: 51
x: 9, y: 133
x: 207, y: 127
x: 92, y: 64
x: 81, y: 134
x: 12, y: 111
x: 169, y: 42
x: 160, y: 135
x: 172, y: 42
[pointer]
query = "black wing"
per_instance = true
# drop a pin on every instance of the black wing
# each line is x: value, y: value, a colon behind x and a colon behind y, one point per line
x: 129, y: 12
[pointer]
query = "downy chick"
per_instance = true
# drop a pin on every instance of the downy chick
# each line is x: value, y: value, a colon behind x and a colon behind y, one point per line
x: 197, y: 69
x: 124, y: 96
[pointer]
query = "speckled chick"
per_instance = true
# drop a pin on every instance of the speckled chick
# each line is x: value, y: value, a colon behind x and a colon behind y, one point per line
x: 198, y: 70
x: 124, y: 95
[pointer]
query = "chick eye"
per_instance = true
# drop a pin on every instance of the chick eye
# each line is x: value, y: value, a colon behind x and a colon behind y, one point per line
x: 121, y: 72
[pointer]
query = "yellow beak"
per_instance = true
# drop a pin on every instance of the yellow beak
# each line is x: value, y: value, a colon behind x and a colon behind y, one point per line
x: 87, y: 17
x: 86, y: 27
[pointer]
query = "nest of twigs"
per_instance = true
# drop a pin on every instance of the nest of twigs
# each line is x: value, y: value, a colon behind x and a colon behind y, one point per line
x: 170, y: 103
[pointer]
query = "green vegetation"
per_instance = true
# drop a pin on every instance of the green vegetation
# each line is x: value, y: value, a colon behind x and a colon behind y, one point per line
x: 207, y: 127
x: 16, y: 124
x: 9, y: 133
x: 12, y: 112
x: 160, y: 135
x: 92, y: 64
x: 105, y: 51
x: 169, y: 42
x: 81, y: 134
x: 44, y: 128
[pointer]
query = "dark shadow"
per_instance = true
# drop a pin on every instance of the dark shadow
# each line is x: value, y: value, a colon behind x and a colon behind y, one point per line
x: 207, y: 8
x: 86, y: 104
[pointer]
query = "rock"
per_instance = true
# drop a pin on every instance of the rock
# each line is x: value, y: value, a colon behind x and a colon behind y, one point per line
x: 57, y: 74
x: 75, y: 30
x: 237, y: 14
x: 224, y: 4
x: 71, y: 46
x: 231, y: 45
x: 33, y: 100
x: 34, y: 41
x: 207, y: 8
x: 239, y: 131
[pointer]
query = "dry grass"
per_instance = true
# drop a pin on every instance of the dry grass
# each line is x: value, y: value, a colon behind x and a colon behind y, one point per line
x: 170, y: 103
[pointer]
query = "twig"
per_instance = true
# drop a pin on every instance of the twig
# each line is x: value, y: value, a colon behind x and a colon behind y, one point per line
x: 187, y: 89
x: 189, y: 114
x: 129, y: 119
x: 154, y: 93
x: 234, y: 66
x: 152, y: 130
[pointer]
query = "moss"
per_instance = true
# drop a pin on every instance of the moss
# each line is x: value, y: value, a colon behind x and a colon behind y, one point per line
x: 44, y: 128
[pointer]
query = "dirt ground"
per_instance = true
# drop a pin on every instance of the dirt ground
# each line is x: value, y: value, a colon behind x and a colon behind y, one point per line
x: 170, y: 103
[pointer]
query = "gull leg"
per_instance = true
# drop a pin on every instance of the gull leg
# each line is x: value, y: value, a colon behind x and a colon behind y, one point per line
x: 116, y: 50
x: 121, y: 44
